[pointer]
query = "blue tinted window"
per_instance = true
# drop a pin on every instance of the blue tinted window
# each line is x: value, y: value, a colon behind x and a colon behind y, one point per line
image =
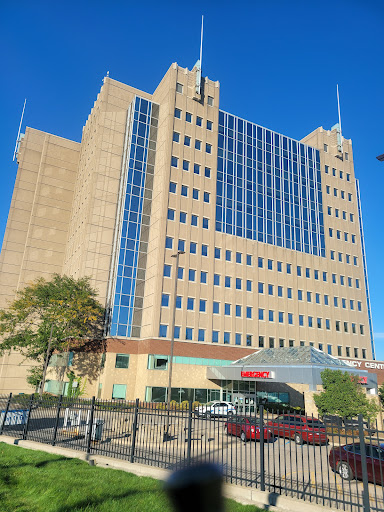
x: 176, y: 137
x: 227, y: 281
x: 227, y: 309
x: 238, y: 310
x: 215, y: 336
x: 197, y: 144
x: 205, y: 223
x: 195, y: 193
x: 191, y: 275
x: 207, y: 172
x: 183, y: 217
x: 216, y: 307
x: 201, y: 335
x: 176, y: 332
x: 249, y: 312
x: 249, y: 259
x: 203, y: 305
x: 260, y: 262
x: 196, y: 168
x: 209, y: 125
x: 188, y: 117
x: 203, y: 277
x: 165, y: 300
x: 174, y: 161
x: 208, y: 148
x: 249, y: 285
x: 217, y: 253
x: 199, y: 121
x: 168, y: 242
x: 193, y: 247
x: 178, y: 113
x: 163, y: 331
x: 261, y: 287
x: 204, y: 250
x: 206, y: 197
x: 188, y: 333
x: 172, y: 187
x: 184, y: 190
x: 181, y: 245
x: 180, y: 273
x: 227, y: 337
x: 187, y: 140
x: 261, y: 314
x: 216, y: 279
x: 194, y: 220
x: 179, y: 301
x: 171, y: 214
x: 238, y: 283
x: 185, y: 165
x: 228, y: 255
x: 167, y: 270
x: 190, y: 303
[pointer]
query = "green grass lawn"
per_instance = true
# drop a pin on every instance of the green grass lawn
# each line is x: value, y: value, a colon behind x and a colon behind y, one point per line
x: 35, y: 481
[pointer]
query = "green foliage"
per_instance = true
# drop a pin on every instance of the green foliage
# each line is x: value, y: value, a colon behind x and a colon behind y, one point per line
x: 69, y: 305
x: 35, y: 376
x: 381, y: 394
x: 344, y: 396
x: 79, y: 389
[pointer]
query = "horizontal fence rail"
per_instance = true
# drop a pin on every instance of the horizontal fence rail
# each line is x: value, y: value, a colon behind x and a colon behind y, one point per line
x: 335, y: 462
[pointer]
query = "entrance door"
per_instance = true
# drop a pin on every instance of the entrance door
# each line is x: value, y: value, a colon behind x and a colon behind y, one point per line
x: 245, y: 403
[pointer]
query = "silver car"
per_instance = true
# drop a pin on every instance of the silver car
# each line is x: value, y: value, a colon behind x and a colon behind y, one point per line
x: 215, y: 408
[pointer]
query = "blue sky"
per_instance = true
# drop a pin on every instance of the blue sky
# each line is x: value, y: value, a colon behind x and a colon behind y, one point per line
x: 277, y: 62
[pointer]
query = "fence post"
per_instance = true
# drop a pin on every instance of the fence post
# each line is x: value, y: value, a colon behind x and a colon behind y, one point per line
x: 133, y: 445
x: 364, y: 469
x: 262, y: 465
x: 189, y: 439
x: 25, y: 430
x: 90, y: 426
x: 5, y: 413
x: 57, y: 420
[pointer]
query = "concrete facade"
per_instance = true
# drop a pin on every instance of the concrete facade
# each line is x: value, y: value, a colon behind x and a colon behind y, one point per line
x: 67, y: 216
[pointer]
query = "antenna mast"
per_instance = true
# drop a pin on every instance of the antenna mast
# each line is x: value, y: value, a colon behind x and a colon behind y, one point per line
x: 199, y: 62
x: 18, y: 133
x: 339, y: 134
x: 201, y: 42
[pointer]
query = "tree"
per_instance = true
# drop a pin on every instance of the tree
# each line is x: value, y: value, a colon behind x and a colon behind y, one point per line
x: 343, y: 395
x: 381, y: 394
x: 49, y: 316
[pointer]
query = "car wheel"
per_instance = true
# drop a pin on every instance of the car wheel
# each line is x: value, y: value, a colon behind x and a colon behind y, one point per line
x: 298, y: 438
x: 345, y: 471
x: 243, y: 437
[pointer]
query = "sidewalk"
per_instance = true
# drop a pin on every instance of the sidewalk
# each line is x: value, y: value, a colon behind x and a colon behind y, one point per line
x: 244, y: 495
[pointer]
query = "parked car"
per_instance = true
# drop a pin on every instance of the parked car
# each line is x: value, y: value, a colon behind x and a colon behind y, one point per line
x: 216, y: 408
x: 300, y: 428
x: 247, y: 428
x: 346, y: 460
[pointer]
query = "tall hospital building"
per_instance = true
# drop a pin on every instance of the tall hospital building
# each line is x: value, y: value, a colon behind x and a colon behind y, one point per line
x: 267, y: 229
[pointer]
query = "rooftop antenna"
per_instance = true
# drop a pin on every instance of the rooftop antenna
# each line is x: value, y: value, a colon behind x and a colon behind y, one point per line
x: 18, y: 133
x: 339, y: 134
x: 198, y: 64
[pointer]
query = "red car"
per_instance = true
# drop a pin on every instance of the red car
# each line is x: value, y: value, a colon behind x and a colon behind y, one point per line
x: 246, y: 428
x: 346, y: 460
x: 300, y: 428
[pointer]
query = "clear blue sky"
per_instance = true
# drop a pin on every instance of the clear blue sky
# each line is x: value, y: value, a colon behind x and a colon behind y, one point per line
x: 277, y: 62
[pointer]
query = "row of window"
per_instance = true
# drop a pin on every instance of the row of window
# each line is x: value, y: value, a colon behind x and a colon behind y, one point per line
x: 338, y: 235
x: 196, y: 168
x: 346, y: 155
x: 185, y: 192
x: 239, y: 338
x: 336, y: 213
x: 270, y: 288
x: 179, y: 89
x: 347, y: 258
x: 336, y: 193
x: 341, y: 173
x: 198, y: 146
x: 171, y: 215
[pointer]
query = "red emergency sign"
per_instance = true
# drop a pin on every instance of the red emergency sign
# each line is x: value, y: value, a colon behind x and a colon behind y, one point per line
x: 258, y: 375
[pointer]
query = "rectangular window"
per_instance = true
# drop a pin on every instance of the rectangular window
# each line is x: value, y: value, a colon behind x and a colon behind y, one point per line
x: 299, y: 294
x: 238, y: 257
x: 289, y: 293
x: 180, y: 273
x: 325, y: 148
x: 216, y: 279
x: 187, y: 140
x: 362, y: 330
x: 190, y: 304
x: 326, y: 169
x: 237, y: 339
x: 270, y: 315
x: 168, y: 242
x: 319, y: 323
x: 210, y: 101
x: 208, y: 148
x: 191, y: 275
x: 206, y: 197
x: 249, y: 340
x: 316, y: 274
x: 227, y: 281
x: 228, y: 255
x: 270, y: 289
x: 167, y: 271
x: 249, y: 312
x: 337, y: 324
x: 177, y: 113
x: 198, y: 144
x: 179, y: 301
x: 185, y: 165
x: 196, y: 168
x: 199, y: 121
x: 193, y: 247
x: 209, y: 125
x: 281, y: 317
x: 309, y: 296
x: 327, y: 324
x: 270, y: 264
x: 290, y: 318
x: 325, y: 277
x: 238, y: 310
x: 216, y: 307
x: 174, y: 161
x: 301, y: 320
x: 353, y: 328
x: 176, y: 137
x: 201, y: 335
x: 217, y: 253
x: 179, y: 88
x: 326, y: 300
x: 122, y: 361
x: 183, y: 217
x: 279, y: 291
x: 195, y: 194
x: 261, y: 341
x: 188, y: 333
x: 238, y: 283
x: 271, y: 342
x: 181, y: 245
x: 227, y: 309
x: 289, y: 268
x: 204, y: 250
x: 205, y: 223
x: 261, y: 314
x: 188, y: 117
x: 332, y: 255
x: 298, y: 271
x: 307, y: 272
x: 227, y: 338
x: 260, y: 262
x: 261, y: 287
x: 249, y: 285
x: 207, y: 172
x: 165, y: 300
x: 279, y: 266
x: 215, y: 336
x: 249, y: 259
x: 281, y: 342
x: 163, y: 331
x: 184, y: 190
x: 317, y: 298
x: 310, y: 321
x: 119, y: 391
x: 193, y: 220
x: 359, y: 308
x: 203, y: 277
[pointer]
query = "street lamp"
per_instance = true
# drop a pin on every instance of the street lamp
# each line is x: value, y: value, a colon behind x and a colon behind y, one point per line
x: 170, y: 364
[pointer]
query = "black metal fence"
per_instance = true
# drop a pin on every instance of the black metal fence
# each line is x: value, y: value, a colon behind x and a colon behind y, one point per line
x: 338, y: 463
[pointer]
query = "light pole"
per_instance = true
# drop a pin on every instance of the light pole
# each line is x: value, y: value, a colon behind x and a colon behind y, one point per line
x: 172, y: 326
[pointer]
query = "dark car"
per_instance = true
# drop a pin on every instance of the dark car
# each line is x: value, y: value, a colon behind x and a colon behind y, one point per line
x: 247, y: 428
x: 346, y: 460
x: 300, y: 428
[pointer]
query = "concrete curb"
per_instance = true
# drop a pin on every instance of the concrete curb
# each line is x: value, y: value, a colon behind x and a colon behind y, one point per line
x: 246, y: 496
